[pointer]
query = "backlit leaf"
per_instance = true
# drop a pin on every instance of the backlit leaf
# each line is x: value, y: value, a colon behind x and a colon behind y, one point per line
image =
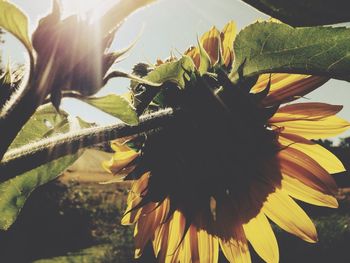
x: 15, y: 21
x: 14, y: 192
x: 175, y: 72
x: 45, y: 122
x: 116, y: 106
x: 269, y: 47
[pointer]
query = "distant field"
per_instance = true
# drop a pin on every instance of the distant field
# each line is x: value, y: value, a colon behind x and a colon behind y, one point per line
x: 77, y: 220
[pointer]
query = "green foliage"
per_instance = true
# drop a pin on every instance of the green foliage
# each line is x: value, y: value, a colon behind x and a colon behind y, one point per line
x: 269, y: 47
x: 175, y: 72
x: 88, y: 255
x: 45, y: 122
x: 15, y: 21
x: 14, y: 192
x: 116, y: 106
x: 305, y: 12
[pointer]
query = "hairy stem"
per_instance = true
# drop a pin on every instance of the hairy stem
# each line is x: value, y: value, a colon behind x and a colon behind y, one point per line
x: 20, y: 160
x: 17, y: 111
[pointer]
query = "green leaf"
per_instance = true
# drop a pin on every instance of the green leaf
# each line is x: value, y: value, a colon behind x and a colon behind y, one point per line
x: 45, y: 122
x: 305, y: 12
x: 175, y: 72
x: 268, y: 47
x: 14, y: 192
x: 116, y: 106
x: 15, y: 21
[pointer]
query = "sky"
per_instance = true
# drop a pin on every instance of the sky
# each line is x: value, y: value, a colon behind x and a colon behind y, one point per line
x: 166, y: 26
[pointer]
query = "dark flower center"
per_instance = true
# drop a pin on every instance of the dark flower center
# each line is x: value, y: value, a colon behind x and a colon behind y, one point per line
x: 217, y: 159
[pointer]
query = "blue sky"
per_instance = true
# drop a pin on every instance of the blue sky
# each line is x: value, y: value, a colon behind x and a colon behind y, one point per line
x: 168, y: 26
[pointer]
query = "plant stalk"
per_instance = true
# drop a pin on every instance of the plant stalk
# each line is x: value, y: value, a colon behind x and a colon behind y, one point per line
x: 28, y: 157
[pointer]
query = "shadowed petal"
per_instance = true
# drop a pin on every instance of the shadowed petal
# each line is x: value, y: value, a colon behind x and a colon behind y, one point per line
x: 315, y: 129
x: 300, y: 191
x: 211, y: 41
x: 228, y: 36
x: 287, y: 87
x: 134, y: 198
x: 305, y: 111
x: 321, y: 155
x: 193, y: 52
x: 296, y: 164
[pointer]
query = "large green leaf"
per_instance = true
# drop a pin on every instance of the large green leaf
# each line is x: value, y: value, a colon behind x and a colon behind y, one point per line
x: 268, y: 47
x: 15, y: 21
x: 116, y: 106
x: 45, y: 122
x: 14, y: 192
x: 305, y: 12
x: 172, y: 71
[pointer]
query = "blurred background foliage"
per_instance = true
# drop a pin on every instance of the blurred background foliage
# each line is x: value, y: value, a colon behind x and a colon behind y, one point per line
x: 79, y: 221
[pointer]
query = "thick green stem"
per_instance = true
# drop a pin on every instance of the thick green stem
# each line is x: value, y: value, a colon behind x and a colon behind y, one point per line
x: 18, y: 110
x: 20, y: 160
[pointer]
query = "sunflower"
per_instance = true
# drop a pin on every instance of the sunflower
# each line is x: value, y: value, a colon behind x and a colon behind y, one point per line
x: 236, y: 157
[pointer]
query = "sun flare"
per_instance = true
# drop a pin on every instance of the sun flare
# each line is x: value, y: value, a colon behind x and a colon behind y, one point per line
x: 86, y: 9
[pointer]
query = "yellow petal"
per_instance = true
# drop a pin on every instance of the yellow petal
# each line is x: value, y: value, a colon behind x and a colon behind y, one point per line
x: 193, y: 240
x: 188, y: 251
x: 167, y: 237
x: 160, y: 240
x: 260, y: 235
x: 287, y: 87
x: 321, y: 155
x: 208, y: 247
x: 193, y: 52
x: 124, y: 155
x: 236, y: 249
x: 300, y: 191
x: 150, y: 219
x: 228, y: 36
x: 211, y: 41
x: 119, y: 161
x: 315, y: 129
x: 305, y: 111
x: 281, y: 209
x: 135, y: 196
x: 176, y: 231
x: 298, y: 165
x: 120, y: 145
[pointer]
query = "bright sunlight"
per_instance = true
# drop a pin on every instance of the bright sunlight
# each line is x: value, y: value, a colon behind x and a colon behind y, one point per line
x: 86, y: 9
